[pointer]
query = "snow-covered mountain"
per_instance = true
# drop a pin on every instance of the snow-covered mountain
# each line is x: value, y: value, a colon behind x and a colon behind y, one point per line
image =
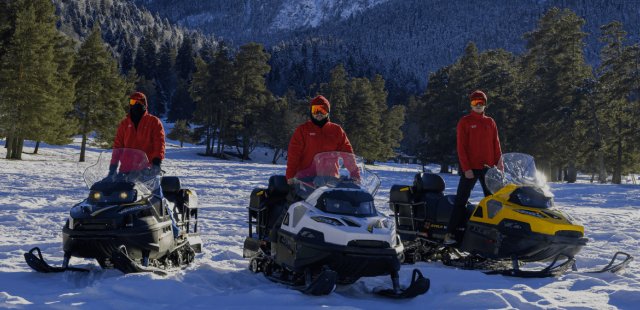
x: 402, y: 39
x: 252, y: 19
x: 123, y: 24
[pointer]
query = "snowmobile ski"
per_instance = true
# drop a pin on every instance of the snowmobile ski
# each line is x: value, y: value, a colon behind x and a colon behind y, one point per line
x: 323, y: 284
x: 124, y: 263
x: 613, y: 267
x: 419, y: 285
x: 38, y: 263
x: 552, y: 270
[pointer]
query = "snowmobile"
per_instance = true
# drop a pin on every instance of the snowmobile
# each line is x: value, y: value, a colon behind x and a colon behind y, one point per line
x: 325, y: 230
x: 126, y: 220
x: 515, y: 225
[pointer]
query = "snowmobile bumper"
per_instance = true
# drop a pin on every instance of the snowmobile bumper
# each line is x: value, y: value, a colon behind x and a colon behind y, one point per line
x: 102, y: 243
x: 358, y: 259
x: 512, y: 239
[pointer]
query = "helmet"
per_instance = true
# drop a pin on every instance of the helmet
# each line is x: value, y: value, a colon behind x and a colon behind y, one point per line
x: 478, y: 94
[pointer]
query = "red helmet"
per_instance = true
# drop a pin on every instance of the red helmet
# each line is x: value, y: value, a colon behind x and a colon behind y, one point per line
x: 321, y: 101
x: 478, y: 94
x: 139, y: 97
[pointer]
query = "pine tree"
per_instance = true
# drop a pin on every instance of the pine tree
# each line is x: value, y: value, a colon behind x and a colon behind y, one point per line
x: 392, y: 121
x: 336, y: 92
x: 555, y: 68
x: 282, y: 118
x: 502, y: 81
x: 31, y: 94
x: 139, y: 60
x: 57, y: 127
x: 363, y: 121
x: 413, y: 136
x: 617, y: 84
x: 182, y: 105
x: 251, y: 68
x: 101, y: 92
x: 181, y: 132
x: 126, y: 62
x: 185, y: 64
x: 206, y: 113
x: 166, y: 80
x: 441, y: 112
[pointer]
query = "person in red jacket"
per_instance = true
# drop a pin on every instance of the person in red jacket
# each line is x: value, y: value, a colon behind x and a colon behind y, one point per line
x: 315, y: 136
x: 142, y: 131
x: 478, y: 148
x: 139, y: 130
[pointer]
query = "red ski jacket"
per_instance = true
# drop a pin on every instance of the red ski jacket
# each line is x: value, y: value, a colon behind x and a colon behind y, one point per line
x: 478, y: 142
x: 309, y: 140
x: 148, y: 137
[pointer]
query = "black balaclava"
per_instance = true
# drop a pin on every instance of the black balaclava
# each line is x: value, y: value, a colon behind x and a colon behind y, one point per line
x: 136, y: 112
x: 317, y: 122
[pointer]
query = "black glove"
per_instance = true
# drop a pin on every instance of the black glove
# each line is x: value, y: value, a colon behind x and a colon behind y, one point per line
x: 112, y: 169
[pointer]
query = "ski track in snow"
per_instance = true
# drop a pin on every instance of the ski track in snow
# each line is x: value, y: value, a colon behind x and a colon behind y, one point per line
x: 36, y: 194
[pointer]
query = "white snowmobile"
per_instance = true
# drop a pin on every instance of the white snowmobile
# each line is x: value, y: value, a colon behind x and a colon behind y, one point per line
x: 125, y: 221
x: 325, y: 230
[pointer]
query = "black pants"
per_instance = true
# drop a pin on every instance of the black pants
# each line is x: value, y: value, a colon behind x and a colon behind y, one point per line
x: 465, y: 186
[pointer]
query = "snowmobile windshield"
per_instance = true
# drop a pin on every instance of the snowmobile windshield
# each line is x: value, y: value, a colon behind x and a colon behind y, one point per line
x: 518, y: 169
x: 357, y: 203
x: 123, y: 165
x: 336, y: 169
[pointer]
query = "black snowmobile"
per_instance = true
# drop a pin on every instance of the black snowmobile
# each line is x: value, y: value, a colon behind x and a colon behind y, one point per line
x: 325, y: 230
x: 125, y: 222
x: 517, y: 224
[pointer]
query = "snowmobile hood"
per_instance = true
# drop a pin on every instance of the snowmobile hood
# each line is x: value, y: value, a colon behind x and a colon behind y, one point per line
x: 502, y: 206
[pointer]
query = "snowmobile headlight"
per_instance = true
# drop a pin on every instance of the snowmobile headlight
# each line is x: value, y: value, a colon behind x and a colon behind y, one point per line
x: 96, y: 195
x: 327, y: 220
x: 124, y: 195
x: 530, y: 213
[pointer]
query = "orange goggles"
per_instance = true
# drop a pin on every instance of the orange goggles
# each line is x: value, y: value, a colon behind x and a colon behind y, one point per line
x: 477, y: 102
x: 315, y: 109
x: 133, y: 102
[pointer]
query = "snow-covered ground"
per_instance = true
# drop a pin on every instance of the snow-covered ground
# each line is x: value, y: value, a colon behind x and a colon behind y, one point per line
x: 36, y: 193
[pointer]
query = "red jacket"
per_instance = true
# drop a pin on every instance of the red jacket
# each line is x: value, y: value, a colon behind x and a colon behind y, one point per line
x: 309, y: 140
x: 478, y: 142
x: 148, y: 137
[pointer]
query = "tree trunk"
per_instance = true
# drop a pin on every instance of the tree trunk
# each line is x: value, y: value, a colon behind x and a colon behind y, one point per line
x: 245, y: 147
x: 275, y: 156
x: 220, y: 131
x: 35, y: 151
x: 83, y: 147
x: 602, y: 170
x: 18, y: 151
x: 9, y: 146
x: 617, y: 170
x: 444, y: 168
x: 572, y: 173
x: 181, y: 143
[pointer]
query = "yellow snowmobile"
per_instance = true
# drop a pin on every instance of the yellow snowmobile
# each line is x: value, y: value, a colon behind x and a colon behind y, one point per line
x: 516, y: 224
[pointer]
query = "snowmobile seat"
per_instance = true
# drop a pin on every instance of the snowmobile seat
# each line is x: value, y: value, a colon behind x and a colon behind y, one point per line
x: 401, y: 194
x: 445, y: 209
x: 428, y: 182
x: 278, y: 185
x: 170, y: 188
